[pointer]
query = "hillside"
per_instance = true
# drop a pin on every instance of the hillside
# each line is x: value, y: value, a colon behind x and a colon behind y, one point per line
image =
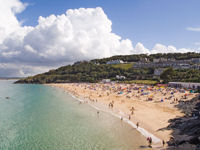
x: 96, y: 70
x: 136, y: 58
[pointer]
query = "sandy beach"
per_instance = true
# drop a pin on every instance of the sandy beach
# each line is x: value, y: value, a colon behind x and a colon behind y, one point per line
x: 149, y: 106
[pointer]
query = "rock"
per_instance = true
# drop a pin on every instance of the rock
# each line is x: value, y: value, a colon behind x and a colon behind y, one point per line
x: 186, y: 129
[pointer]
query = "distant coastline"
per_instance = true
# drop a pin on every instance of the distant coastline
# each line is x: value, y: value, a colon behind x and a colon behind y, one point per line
x: 11, y: 78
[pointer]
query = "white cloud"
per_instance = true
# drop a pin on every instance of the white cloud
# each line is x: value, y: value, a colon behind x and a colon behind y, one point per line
x: 8, y: 20
x: 79, y: 34
x: 139, y: 48
x: 193, y: 29
x: 20, y: 70
x: 159, y: 48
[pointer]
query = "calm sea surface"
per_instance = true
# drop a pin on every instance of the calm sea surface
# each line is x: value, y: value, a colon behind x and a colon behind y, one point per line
x: 39, y: 117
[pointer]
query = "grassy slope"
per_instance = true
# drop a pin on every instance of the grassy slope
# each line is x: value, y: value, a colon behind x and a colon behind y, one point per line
x: 123, y: 66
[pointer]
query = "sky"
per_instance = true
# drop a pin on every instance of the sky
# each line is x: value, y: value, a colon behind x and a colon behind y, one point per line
x: 38, y: 35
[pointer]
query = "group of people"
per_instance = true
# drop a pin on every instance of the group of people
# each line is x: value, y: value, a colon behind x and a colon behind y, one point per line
x: 149, y: 139
x: 134, y: 91
x: 116, y: 95
x: 111, y: 104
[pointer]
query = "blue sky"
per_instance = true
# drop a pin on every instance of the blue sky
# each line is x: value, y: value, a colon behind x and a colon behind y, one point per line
x: 145, y: 21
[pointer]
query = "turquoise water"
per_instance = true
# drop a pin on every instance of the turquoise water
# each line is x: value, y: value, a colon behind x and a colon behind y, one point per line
x: 39, y: 117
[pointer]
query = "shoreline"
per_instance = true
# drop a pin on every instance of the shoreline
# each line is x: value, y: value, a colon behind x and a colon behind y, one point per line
x: 156, y: 141
x: 144, y: 132
x: 152, y: 116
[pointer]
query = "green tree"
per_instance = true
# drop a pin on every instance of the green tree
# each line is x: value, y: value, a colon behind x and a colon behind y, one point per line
x: 167, y: 74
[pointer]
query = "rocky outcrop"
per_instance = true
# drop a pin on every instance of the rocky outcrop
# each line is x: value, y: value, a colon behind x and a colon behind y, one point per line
x: 186, y: 130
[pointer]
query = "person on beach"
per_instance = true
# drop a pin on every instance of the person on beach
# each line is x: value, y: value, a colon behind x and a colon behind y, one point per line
x: 121, y: 118
x: 149, y: 139
x: 163, y: 142
x: 110, y: 105
x: 137, y: 124
x: 129, y: 117
x: 132, y: 110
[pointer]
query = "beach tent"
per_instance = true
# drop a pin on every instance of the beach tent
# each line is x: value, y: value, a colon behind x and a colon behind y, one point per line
x: 192, y: 91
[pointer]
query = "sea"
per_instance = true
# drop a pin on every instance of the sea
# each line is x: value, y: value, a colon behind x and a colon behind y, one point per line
x: 40, y: 117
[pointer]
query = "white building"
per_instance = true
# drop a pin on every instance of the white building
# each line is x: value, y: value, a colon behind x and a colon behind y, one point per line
x: 114, y: 62
x: 185, y: 66
x: 160, y: 60
x: 156, y: 60
x: 145, y: 60
x: 106, y: 81
x: 185, y: 85
x: 196, y: 66
x: 196, y: 60
x: 120, y: 77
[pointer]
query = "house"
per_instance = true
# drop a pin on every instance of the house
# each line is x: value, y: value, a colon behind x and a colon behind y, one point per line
x: 195, y: 60
x: 185, y: 66
x: 96, y: 63
x: 114, y: 62
x: 120, y: 77
x: 156, y: 60
x: 182, y: 66
x: 144, y: 60
x: 166, y: 63
x: 160, y: 60
x: 196, y: 66
x: 106, y: 81
x: 163, y: 59
x: 171, y: 59
x: 185, y: 85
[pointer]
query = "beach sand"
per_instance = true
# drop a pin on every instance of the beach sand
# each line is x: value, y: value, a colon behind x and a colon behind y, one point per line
x: 153, y: 106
